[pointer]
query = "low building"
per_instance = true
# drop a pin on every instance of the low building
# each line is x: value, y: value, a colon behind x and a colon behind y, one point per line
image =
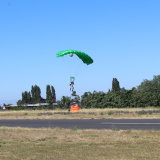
x: 38, y: 104
x: 10, y: 106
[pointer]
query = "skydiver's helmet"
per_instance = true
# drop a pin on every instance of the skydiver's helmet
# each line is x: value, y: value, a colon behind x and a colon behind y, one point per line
x: 71, y: 55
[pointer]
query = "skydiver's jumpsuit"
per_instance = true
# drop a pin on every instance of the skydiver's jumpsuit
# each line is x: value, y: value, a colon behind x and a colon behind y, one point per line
x: 72, y: 86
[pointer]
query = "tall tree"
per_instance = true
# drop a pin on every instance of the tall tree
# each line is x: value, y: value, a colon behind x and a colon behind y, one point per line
x: 36, y: 94
x: 115, y: 85
x: 26, y: 97
x: 53, y: 94
x: 50, y: 94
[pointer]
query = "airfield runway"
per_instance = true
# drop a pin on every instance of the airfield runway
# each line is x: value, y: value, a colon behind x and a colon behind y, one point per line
x: 117, y: 124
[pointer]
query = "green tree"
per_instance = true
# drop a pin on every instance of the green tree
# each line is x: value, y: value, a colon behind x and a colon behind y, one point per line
x: 53, y: 92
x: 64, y: 102
x: 19, y: 102
x: 112, y: 99
x: 92, y: 100
x: 115, y: 85
x: 149, y: 92
x: 86, y: 100
x: 36, y: 94
x: 26, y: 97
x: 50, y: 94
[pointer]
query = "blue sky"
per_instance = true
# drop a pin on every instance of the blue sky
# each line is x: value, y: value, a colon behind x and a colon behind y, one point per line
x: 123, y: 38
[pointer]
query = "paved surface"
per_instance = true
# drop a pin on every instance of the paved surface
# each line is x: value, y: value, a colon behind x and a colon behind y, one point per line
x: 124, y: 124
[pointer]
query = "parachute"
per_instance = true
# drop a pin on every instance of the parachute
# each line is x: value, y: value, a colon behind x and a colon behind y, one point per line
x: 83, y: 56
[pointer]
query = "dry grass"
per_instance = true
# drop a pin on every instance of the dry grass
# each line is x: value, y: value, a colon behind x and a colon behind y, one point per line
x: 115, y: 113
x: 71, y: 144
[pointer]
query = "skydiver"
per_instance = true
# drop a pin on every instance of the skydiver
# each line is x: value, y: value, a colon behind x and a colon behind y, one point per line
x: 72, y: 86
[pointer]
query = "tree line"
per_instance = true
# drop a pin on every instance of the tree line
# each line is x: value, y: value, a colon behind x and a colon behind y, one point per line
x: 145, y: 95
x: 34, y: 96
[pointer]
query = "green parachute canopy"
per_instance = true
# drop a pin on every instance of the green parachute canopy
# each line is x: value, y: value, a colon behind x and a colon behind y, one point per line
x: 83, y: 56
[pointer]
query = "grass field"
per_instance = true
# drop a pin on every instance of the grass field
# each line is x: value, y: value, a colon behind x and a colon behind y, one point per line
x: 71, y: 144
x: 136, y: 113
